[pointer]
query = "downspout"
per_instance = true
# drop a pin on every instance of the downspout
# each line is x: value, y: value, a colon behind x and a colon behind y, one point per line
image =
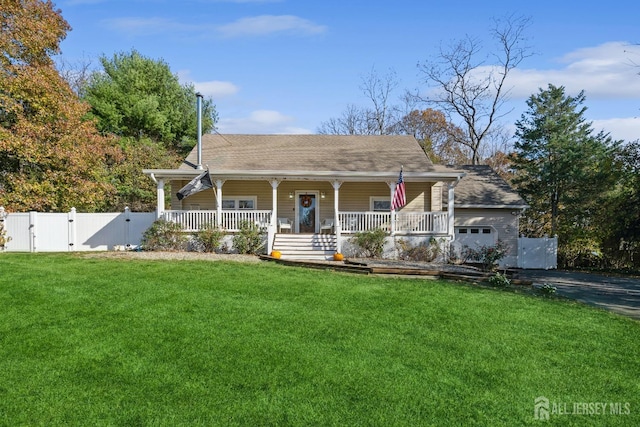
x: 199, y: 113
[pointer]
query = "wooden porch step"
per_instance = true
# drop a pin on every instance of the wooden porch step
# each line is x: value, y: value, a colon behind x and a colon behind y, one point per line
x: 305, y: 246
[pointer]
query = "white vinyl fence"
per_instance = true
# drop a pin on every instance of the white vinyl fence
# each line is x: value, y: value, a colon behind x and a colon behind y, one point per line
x: 538, y: 253
x: 74, y: 231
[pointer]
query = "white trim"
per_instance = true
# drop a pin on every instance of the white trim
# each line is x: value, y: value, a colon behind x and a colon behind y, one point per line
x: 301, y: 175
x: 373, y: 199
x: 296, y: 221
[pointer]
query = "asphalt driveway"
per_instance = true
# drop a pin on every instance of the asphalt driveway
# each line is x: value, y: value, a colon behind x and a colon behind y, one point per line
x: 618, y: 294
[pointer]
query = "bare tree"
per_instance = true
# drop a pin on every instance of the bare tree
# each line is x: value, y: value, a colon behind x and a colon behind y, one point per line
x: 379, y: 119
x: 76, y: 74
x: 378, y: 89
x: 473, y: 90
x: 352, y: 122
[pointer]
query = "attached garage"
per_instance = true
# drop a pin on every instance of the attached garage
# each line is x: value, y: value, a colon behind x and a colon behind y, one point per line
x: 474, y: 237
x: 487, y: 210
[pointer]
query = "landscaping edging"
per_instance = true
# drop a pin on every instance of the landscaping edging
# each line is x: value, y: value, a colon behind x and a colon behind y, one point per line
x: 400, y: 268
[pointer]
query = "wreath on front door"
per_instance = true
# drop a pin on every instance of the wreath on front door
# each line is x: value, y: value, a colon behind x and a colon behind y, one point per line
x: 305, y: 201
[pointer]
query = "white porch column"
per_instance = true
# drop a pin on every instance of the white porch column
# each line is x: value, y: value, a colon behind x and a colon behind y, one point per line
x: 160, y: 201
x: 273, y: 225
x: 219, y: 184
x: 450, y: 212
x: 336, y: 218
x: 392, y: 188
x: 274, y: 197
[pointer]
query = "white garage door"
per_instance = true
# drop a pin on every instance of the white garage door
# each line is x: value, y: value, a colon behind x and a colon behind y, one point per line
x: 474, y: 237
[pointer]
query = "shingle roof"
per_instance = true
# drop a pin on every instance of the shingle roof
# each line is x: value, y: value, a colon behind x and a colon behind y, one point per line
x: 482, y: 187
x: 344, y: 153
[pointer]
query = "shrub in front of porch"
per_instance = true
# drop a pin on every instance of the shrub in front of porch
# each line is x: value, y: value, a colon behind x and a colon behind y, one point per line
x: 423, y: 251
x: 208, y: 239
x: 4, y: 239
x: 164, y: 235
x: 370, y: 243
x: 250, y: 238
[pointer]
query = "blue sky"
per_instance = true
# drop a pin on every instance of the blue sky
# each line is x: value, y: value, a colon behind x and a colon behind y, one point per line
x: 285, y: 66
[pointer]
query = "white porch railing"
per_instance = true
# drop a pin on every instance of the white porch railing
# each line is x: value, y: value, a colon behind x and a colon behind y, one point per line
x: 196, y: 220
x: 351, y: 222
x: 354, y: 222
x: 422, y: 222
x: 191, y: 220
x: 231, y: 219
x: 406, y: 223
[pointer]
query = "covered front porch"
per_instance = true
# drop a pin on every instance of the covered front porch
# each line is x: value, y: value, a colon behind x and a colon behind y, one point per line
x: 435, y: 223
x: 304, y: 203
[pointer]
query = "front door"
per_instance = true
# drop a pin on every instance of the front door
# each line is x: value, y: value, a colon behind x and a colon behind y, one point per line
x: 307, y: 212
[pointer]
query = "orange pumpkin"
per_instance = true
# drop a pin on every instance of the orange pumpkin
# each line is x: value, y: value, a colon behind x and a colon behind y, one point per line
x: 338, y: 256
x: 276, y: 254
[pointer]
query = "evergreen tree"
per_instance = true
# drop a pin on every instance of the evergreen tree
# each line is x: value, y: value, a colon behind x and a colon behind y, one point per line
x: 562, y: 169
x: 138, y: 97
x: 620, y: 217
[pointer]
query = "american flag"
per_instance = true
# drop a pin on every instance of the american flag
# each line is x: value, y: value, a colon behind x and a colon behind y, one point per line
x: 399, y: 196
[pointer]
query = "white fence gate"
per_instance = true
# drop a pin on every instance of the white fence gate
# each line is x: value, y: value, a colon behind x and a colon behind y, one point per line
x: 73, y: 231
x: 538, y: 253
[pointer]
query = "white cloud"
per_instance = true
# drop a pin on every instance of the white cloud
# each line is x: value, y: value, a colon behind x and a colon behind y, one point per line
x: 213, y: 88
x: 627, y: 129
x: 270, y: 24
x: 261, y: 122
x: 245, y: 27
x: 607, y: 71
x: 216, y: 89
x: 148, y: 26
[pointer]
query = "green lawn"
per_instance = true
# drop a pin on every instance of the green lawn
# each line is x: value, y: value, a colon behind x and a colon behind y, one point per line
x: 97, y: 341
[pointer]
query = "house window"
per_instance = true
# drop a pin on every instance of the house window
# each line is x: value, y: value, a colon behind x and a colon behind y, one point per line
x: 246, y: 204
x: 379, y: 204
x: 473, y: 230
x: 239, y: 203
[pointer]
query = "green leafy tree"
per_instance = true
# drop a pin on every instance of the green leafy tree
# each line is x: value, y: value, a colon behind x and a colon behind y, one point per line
x: 139, y: 97
x: 51, y: 158
x: 133, y: 188
x: 620, y: 214
x: 562, y: 169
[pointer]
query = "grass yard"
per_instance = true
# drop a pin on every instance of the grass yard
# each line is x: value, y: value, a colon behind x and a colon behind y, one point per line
x: 99, y: 341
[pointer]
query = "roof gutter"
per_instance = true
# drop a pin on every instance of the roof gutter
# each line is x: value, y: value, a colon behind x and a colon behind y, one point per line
x: 300, y: 175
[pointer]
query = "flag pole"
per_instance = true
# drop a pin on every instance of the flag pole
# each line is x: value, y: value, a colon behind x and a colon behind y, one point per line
x: 214, y: 188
